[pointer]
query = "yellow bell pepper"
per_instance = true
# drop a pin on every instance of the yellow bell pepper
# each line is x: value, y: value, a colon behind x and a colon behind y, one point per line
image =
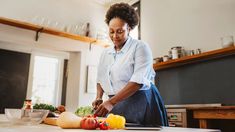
x: 116, y: 121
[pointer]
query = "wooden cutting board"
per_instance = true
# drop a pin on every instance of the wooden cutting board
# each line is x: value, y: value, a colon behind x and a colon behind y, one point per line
x: 50, y: 121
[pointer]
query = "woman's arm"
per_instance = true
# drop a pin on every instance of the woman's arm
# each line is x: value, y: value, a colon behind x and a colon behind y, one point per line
x: 100, y: 92
x: 124, y: 93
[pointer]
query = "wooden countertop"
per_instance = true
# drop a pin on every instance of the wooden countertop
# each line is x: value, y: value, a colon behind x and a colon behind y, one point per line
x: 213, y: 108
x: 191, y: 106
x: 5, y: 126
x: 206, y: 114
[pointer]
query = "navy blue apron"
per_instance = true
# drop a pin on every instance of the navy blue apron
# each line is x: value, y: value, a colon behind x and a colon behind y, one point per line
x: 145, y: 108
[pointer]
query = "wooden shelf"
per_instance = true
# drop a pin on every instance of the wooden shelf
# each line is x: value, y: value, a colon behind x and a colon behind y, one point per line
x: 34, y: 27
x: 195, y: 58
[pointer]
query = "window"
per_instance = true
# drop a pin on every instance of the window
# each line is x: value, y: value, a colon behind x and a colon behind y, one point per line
x: 135, y: 33
x: 45, y: 80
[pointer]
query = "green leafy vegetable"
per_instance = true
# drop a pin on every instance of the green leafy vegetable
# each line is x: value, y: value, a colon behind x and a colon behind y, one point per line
x: 45, y: 107
x: 84, y: 111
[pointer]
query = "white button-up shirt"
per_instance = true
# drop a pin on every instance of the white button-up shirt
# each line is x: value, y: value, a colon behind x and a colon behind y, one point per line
x: 133, y: 63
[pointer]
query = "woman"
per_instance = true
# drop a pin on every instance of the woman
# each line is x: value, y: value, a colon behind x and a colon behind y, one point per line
x: 125, y: 73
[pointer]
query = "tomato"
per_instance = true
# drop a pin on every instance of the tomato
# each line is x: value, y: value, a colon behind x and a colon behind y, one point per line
x: 89, y: 123
x: 104, y: 125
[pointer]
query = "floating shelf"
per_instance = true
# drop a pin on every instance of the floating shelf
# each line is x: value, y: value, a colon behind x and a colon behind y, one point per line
x: 195, y: 58
x: 34, y: 27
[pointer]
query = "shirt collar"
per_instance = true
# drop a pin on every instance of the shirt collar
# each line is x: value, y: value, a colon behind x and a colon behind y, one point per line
x: 123, y: 49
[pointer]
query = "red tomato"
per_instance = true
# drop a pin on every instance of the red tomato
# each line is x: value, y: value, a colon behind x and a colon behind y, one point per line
x: 89, y: 123
x: 104, y: 125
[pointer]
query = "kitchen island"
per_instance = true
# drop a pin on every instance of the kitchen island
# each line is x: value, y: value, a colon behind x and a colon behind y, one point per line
x: 6, y: 126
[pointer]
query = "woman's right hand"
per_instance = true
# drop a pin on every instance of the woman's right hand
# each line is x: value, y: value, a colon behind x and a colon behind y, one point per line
x: 97, y: 103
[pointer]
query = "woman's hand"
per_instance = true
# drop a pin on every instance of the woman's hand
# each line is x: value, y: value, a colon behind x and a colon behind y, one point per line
x: 98, y: 99
x: 104, y: 108
x: 97, y: 103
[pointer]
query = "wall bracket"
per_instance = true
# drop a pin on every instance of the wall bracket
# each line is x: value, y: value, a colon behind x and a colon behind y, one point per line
x: 38, y: 33
x: 91, y: 44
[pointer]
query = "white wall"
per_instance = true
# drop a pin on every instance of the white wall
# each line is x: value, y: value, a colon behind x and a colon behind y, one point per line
x: 77, y: 94
x: 189, y: 23
x: 72, y: 98
x: 68, y: 12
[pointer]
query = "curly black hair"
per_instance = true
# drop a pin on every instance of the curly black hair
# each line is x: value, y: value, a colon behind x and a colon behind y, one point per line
x: 123, y: 11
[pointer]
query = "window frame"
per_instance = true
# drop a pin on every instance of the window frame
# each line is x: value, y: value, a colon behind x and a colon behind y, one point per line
x: 58, y: 93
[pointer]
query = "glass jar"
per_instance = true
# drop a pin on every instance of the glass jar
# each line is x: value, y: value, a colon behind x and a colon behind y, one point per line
x: 157, y: 60
x: 27, y: 104
x: 176, y: 52
x: 227, y: 41
x: 165, y: 58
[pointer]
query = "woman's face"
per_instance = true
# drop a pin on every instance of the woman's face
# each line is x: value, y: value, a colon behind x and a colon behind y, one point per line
x: 118, y: 32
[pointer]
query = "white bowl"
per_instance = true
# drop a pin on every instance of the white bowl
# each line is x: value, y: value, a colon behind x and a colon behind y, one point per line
x: 26, y: 117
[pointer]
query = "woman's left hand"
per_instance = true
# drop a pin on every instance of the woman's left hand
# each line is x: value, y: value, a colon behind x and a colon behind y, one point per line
x: 104, y: 108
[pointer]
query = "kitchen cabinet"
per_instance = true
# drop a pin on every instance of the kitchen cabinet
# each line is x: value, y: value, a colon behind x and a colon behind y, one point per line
x: 177, y: 117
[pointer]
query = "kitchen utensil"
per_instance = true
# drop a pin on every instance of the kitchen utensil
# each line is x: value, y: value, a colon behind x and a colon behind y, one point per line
x: 192, y: 52
x: 198, y: 51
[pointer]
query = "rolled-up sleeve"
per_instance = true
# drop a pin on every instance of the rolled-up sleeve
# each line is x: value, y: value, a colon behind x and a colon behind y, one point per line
x: 142, y: 65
